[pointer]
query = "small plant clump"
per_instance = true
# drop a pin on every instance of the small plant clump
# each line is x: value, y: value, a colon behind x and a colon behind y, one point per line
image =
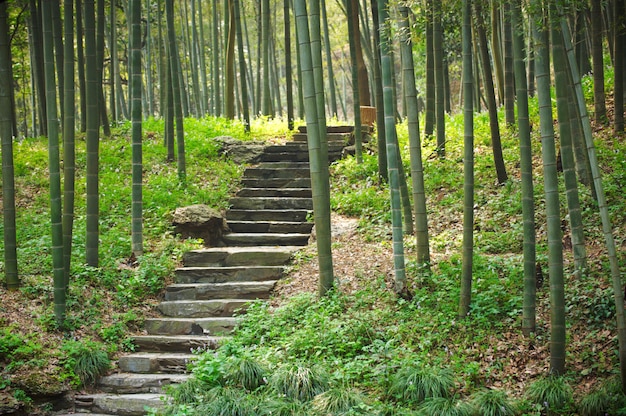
x: 86, y: 360
x: 551, y: 394
x: 493, y: 402
x: 607, y: 399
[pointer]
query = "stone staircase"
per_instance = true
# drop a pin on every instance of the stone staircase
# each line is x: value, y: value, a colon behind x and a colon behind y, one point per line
x: 268, y: 223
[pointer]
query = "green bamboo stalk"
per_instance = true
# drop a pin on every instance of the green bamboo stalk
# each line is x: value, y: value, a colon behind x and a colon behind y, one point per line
x: 526, y: 168
x: 8, y: 179
x: 415, y: 146
x: 607, y: 227
x: 242, y: 69
x: 54, y: 162
x: 468, y: 163
x: 316, y: 162
x: 509, y: 82
x: 69, y: 146
x: 329, y: 62
x: 229, y: 90
x: 136, y: 119
x: 288, y: 63
x: 356, y: 101
x: 567, y: 155
x: 378, y: 95
x: 400, y: 282
x: 440, y: 115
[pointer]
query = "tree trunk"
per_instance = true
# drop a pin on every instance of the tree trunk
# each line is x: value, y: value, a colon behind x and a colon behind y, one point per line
x: 100, y: 18
x: 136, y: 118
x: 242, y: 69
x: 378, y: 89
x: 619, y: 18
x: 356, y: 82
x: 6, y: 137
x: 217, y: 91
x: 69, y: 145
x: 490, y: 95
x: 288, y: 71
x: 415, y: 146
x: 329, y: 62
x: 439, y: 87
x: 265, y: 30
x: 229, y: 90
x: 526, y: 167
x: 321, y: 205
x: 400, y: 283
x: 509, y: 83
x: 468, y: 163
x: 176, y: 92
x: 597, y: 56
x: 430, y: 72
x: 54, y: 164
x: 38, y: 71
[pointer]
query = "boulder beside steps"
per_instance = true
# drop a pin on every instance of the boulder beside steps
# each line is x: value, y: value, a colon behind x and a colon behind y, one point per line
x: 268, y: 223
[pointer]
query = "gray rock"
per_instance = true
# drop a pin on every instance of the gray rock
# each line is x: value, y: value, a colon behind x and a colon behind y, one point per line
x: 238, y: 151
x: 200, y: 221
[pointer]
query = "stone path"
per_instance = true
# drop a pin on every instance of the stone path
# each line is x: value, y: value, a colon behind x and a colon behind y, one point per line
x: 268, y: 223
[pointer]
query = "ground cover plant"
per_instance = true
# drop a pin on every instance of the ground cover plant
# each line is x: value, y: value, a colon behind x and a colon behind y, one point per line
x: 107, y: 304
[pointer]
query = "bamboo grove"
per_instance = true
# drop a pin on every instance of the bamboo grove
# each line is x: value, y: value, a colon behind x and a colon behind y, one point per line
x: 87, y: 64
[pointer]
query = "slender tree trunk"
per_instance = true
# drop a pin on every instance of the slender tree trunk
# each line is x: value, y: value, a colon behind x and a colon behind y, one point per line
x: 363, y: 77
x: 356, y: 87
x: 57, y: 36
x: 321, y: 206
x: 265, y: 30
x: 80, y: 60
x: 104, y: 119
x: 92, y: 137
x: 567, y: 155
x: 509, y: 83
x: 378, y: 89
x: 35, y: 21
x: 526, y: 167
x: 619, y: 18
x: 217, y: 93
x: 176, y: 92
x: 242, y: 69
x: 8, y: 178
x: 54, y: 164
x: 415, y: 146
x: 597, y: 56
x: 439, y: 87
x: 329, y: 62
x: 468, y: 163
x: 69, y: 129
x: 149, y: 47
x: 400, y: 283
x: 202, y: 56
x: 490, y: 95
x: 288, y: 71
x: 430, y: 72
x: 229, y: 91
x: 136, y: 117
x: 112, y: 65
x: 496, y: 47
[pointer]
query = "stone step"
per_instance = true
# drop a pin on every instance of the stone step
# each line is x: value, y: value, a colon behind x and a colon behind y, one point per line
x: 331, y: 129
x: 202, y: 308
x: 228, y: 274
x: 208, y: 291
x: 132, y: 383
x: 275, y: 215
x: 301, y: 227
x: 280, y: 173
x: 190, y: 326
x: 334, y: 146
x: 275, y: 192
x: 175, y: 343
x: 283, y: 165
x: 238, y: 256
x: 265, y: 239
x: 276, y: 182
x: 261, y: 203
x: 154, y: 362
x: 343, y: 138
x: 118, y: 404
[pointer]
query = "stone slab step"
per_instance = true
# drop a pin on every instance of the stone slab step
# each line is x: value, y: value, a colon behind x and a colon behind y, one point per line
x: 283, y: 165
x: 131, y: 383
x: 331, y: 129
x: 190, y: 326
x: 275, y: 192
x: 266, y: 239
x: 251, y: 203
x: 301, y: 227
x: 153, y: 362
x: 228, y: 274
x: 118, y: 404
x: 342, y: 137
x: 202, y: 308
x: 176, y: 343
x: 276, y: 215
x: 239, y: 256
x: 208, y: 291
x: 334, y: 146
x: 287, y: 182
x: 279, y: 173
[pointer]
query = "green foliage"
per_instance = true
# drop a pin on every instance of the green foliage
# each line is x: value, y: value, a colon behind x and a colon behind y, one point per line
x: 492, y: 402
x: 445, y: 406
x: 551, y: 394
x: 298, y: 382
x: 415, y: 383
x: 245, y: 372
x: 607, y: 399
x: 340, y: 400
x: 85, y: 361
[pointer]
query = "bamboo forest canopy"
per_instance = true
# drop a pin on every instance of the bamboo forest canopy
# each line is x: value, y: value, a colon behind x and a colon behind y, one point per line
x: 209, y: 58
